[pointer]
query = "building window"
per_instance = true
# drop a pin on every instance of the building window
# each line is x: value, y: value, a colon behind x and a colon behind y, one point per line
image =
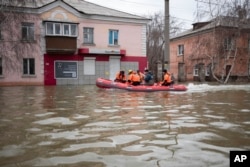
x: 61, y: 29
x: 88, y: 35
x: 229, y: 43
x: 73, y: 29
x: 113, y: 37
x: 89, y: 66
x: 196, y: 71
x: 28, y: 31
x: 208, y: 70
x: 57, y: 29
x: 66, y: 28
x: 180, y: 49
x: 28, y: 66
x: 1, y: 66
x: 49, y: 28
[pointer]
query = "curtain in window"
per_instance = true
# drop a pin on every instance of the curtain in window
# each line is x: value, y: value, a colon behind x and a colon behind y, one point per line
x: 113, y: 37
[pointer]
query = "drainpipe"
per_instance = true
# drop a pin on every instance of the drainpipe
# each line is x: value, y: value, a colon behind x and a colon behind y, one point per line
x: 166, y: 57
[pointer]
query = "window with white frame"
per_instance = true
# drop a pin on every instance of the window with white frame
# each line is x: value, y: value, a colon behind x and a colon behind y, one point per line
x: 28, y: 31
x: 61, y: 29
x: 66, y: 28
x: 57, y: 29
x: 1, y: 66
x: 196, y: 71
x: 28, y: 66
x: 89, y: 66
x: 73, y: 29
x: 229, y: 43
x: 113, y: 37
x: 88, y: 35
x: 180, y: 49
x: 49, y: 28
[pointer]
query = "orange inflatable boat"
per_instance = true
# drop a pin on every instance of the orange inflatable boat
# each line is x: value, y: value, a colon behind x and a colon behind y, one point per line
x: 105, y: 83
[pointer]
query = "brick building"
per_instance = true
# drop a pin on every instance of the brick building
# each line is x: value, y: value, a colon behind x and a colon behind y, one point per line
x: 212, y: 49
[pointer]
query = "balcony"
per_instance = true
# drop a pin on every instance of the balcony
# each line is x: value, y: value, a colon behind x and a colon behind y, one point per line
x: 61, y: 44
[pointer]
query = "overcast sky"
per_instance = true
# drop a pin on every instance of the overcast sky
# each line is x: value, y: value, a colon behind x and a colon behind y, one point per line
x: 181, y: 9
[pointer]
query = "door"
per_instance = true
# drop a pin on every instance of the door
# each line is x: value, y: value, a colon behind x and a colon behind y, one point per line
x: 114, y: 66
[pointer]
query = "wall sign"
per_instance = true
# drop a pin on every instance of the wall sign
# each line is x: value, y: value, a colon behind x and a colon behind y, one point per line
x: 66, y: 69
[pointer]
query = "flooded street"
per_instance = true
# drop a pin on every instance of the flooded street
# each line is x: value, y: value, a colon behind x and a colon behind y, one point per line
x: 87, y: 126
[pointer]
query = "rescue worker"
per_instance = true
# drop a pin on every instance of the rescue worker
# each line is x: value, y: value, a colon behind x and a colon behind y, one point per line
x: 141, y: 76
x: 135, y: 79
x: 130, y: 72
x: 120, y: 77
x: 167, y: 79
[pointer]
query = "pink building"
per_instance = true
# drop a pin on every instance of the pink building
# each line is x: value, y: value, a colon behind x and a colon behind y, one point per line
x: 77, y: 42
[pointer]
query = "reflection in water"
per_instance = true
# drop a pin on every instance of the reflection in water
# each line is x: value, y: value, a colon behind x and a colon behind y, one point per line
x: 88, y: 126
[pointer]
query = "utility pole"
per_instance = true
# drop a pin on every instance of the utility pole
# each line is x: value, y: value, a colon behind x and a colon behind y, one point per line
x: 166, y: 57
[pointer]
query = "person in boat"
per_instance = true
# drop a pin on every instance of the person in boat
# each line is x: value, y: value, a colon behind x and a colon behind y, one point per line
x: 134, y: 79
x: 167, y: 79
x: 141, y: 76
x: 120, y: 77
x: 130, y: 72
x: 148, y: 79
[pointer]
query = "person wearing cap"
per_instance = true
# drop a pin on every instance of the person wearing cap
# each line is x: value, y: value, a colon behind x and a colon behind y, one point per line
x: 120, y: 77
x: 167, y: 79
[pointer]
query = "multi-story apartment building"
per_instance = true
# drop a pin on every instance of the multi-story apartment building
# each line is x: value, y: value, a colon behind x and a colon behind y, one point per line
x: 61, y: 42
x: 212, y: 49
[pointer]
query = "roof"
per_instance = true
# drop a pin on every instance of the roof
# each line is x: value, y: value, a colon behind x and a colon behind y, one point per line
x: 79, y: 5
x: 221, y: 21
x: 94, y: 9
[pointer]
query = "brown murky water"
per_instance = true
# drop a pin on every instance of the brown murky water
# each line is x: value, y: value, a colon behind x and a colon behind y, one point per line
x: 91, y: 127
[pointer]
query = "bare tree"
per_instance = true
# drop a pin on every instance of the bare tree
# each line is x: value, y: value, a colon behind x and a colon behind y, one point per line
x: 229, y: 22
x: 155, y: 38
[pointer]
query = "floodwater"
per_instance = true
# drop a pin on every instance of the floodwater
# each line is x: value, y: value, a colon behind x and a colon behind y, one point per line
x: 85, y: 126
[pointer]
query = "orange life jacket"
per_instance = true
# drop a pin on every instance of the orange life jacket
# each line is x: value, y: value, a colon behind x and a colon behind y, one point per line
x: 135, y: 78
x: 167, y: 78
x: 130, y: 77
x: 120, y: 77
